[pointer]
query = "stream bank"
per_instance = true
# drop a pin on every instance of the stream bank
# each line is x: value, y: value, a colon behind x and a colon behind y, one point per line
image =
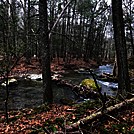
x: 28, y: 92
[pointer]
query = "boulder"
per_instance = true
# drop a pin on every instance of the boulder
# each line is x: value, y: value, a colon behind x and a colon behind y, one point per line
x: 89, y: 83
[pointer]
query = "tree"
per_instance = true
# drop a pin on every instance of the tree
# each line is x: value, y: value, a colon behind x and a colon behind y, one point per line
x: 9, y: 45
x: 120, y: 46
x: 129, y: 15
x: 45, y: 51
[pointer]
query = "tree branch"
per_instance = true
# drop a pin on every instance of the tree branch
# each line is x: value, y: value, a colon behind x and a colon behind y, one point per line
x: 59, y: 17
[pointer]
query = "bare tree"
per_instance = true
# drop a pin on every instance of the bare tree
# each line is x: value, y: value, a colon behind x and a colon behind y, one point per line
x: 45, y: 51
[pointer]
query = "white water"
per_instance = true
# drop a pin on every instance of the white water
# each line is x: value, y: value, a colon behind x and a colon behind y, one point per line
x: 106, y: 86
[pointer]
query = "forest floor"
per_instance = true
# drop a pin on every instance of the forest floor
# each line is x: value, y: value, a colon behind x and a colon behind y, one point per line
x: 56, y: 118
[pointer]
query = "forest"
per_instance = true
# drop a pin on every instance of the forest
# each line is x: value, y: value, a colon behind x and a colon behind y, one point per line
x: 66, y: 66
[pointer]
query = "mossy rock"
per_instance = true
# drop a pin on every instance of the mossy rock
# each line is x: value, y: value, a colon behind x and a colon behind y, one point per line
x: 89, y: 83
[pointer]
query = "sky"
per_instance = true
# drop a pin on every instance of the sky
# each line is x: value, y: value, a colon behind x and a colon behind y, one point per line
x: 109, y: 2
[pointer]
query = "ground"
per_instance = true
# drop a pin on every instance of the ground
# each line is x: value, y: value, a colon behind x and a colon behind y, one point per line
x: 35, y: 67
x: 56, y: 118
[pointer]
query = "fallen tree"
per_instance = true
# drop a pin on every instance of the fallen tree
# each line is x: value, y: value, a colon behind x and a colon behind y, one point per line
x: 98, y: 115
x: 78, y: 90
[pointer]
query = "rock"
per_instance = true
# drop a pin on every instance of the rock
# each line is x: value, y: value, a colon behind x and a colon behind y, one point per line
x: 82, y: 71
x: 11, y: 82
x: 35, y: 76
x: 89, y: 83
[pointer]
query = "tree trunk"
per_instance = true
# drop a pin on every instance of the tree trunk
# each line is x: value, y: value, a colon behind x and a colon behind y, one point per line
x: 120, y: 45
x: 130, y: 26
x: 14, y: 26
x: 45, y: 52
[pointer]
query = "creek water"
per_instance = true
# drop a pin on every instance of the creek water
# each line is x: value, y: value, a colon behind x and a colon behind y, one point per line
x: 76, y: 78
x: 28, y: 93
x: 106, y: 86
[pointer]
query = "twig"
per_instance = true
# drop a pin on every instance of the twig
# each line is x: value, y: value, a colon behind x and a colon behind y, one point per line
x: 122, y: 97
x: 103, y: 98
x: 80, y: 129
x: 97, y: 115
x: 65, y: 125
x: 46, y: 130
x: 112, y: 117
x: 130, y: 93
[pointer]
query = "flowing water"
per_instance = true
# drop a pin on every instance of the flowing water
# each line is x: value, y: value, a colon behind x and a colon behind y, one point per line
x: 76, y: 78
x: 28, y: 93
x: 106, y: 86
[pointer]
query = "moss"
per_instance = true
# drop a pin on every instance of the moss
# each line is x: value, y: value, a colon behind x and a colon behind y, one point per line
x: 41, y: 108
x: 89, y: 83
x: 89, y: 104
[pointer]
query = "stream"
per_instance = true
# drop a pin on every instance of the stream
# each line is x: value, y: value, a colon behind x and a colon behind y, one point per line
x: 28, y: 92
x: 106, y: 86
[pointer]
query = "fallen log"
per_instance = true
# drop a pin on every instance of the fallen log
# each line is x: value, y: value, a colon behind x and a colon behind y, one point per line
x: 97, y: 115
x: 78, y: 90
x: 107, y: 78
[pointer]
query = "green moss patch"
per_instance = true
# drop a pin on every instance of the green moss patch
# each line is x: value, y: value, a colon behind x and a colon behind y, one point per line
x: 89, y: 83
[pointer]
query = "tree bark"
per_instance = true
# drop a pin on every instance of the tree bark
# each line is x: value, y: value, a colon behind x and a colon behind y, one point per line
x: 120, y: 45
x: 45, y: 52
x: 130, y: 26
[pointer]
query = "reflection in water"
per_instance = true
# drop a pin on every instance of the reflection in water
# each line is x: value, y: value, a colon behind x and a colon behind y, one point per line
x: 107, y: 87
x: 29, y: 93
x: 26, y: 94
